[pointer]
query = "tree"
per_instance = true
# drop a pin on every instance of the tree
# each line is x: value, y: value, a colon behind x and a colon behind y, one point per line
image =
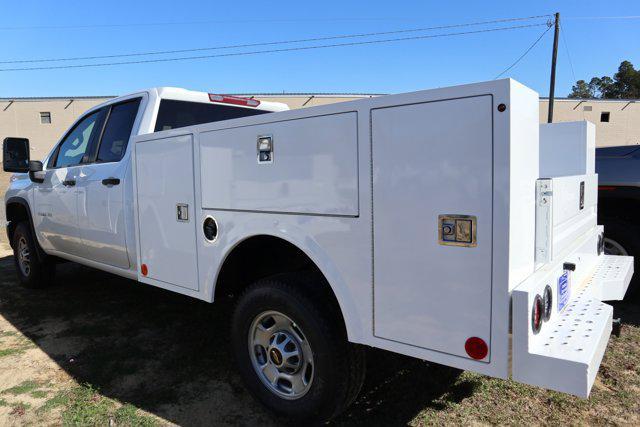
x: 625, y: 84
x: 581, y: 90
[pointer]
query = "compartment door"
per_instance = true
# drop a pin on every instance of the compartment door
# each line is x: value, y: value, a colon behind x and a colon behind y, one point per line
x: 165, y: 184
x: 432, y: 159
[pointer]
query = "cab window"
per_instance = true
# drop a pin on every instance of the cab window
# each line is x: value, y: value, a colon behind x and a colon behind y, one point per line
x: 174, y: 114
x: 74, y: 146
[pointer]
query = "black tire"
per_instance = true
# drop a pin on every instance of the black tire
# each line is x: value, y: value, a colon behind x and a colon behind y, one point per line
x: 338, y: 366
x: 40, y: 273
x: 625, y: 235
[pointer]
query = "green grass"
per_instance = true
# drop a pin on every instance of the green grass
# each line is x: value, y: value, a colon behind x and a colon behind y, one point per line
x: 10, y: 351
x: 60, y: 399
x: 3, y: 403
x: 38, y: 394
x: 84, y: 405
x: 22, y: 388
x: 128, y: 415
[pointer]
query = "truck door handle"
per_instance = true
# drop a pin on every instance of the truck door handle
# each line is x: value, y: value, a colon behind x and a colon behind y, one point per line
x: 111, y: 181
x: 69, y: 182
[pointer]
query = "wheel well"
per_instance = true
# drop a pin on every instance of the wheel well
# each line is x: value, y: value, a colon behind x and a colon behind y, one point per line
x: 16, y: 213
x: 623, y: 208
x: 263, y: 256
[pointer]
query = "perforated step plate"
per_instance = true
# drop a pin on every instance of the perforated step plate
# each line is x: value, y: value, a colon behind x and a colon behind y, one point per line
x: 611, y: 278
x: 566, y: 354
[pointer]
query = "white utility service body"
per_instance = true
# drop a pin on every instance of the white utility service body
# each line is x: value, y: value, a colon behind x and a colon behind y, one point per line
x: 359, y: 187
x: 438, y: 218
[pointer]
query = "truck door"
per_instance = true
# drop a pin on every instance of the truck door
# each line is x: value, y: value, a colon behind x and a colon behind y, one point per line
x: 56, y: 214
x: 100, y: 187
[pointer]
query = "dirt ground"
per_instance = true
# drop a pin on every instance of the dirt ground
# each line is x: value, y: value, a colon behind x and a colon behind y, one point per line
x: 95, y: 349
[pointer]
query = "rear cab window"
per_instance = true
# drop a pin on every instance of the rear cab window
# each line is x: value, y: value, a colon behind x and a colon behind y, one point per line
x: 117, y: 131
x: 174, y: 114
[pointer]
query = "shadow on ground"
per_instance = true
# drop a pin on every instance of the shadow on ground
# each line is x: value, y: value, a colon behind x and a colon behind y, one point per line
x: 169, y: 354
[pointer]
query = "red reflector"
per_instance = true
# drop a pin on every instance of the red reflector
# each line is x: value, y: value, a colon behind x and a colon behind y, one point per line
x: 476, y: 348
x: 144, y: 270
x: 606, y: 188
x: 235, y: 100
x: 536, y: 314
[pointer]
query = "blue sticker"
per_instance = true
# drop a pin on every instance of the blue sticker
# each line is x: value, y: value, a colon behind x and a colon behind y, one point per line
x: 564, y: 291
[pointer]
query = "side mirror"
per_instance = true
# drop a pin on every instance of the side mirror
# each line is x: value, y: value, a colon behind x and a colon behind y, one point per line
x: 15, y: 155
x: 35, y: 171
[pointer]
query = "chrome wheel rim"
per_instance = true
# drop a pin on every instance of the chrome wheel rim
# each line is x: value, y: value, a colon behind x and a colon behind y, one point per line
x: 611, y: 247
x: 281, y: 355
x: 24, y: 256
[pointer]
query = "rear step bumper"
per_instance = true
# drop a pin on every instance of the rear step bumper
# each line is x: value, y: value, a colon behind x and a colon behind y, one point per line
x: 612, y: 277
x: 566, y: 354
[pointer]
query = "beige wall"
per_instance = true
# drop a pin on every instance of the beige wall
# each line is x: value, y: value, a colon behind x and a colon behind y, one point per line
x: 22, y: 116
x: 624, y: 122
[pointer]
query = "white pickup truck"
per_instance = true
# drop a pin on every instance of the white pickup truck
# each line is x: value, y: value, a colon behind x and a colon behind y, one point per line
x: 441, y: 224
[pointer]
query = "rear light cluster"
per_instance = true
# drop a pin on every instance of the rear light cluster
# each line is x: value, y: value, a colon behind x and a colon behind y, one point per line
x: 235, y: 100
x: 541, y: 310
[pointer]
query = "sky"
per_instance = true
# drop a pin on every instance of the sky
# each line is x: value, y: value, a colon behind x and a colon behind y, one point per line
x: 32, y: 29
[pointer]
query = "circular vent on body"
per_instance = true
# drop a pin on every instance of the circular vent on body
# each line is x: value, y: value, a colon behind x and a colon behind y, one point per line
x: 210, y: 228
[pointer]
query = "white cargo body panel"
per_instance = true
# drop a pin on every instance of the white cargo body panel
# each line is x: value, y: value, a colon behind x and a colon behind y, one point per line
x: 567, y: 148
x: 314, y: 169
x: 424, y: 169
x: 164, y: 181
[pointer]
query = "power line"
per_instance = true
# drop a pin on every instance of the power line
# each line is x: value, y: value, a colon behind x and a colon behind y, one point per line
x: 566, y: 49
x: 525, y: 53
x: 218, y: 21
x: 203, y: 22
x: 314, y: 39
x: 600, y: 18
x: 257, y: 52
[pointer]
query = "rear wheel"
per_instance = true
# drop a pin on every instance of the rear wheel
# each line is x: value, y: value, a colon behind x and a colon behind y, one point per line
x: 613, y: 247
x: 31, y: 270
x: 291, y: 349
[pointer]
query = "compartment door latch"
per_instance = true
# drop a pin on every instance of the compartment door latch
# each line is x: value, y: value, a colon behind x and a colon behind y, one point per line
x: 265, y: 149
x: 182, y: 212
x: 457, y: 230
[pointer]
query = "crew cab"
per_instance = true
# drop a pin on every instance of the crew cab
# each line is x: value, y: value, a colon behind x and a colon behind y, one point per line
x: 441, y: 224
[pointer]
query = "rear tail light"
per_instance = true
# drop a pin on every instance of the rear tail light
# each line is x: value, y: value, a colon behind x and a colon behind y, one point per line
x: 547, y: 303
x: 537, y: 312
x: 476, y: 348
x: 235, y: 100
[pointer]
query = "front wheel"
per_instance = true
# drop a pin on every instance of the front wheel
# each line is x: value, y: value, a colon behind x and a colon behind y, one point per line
x: 32, y: 271
x: 291, y: 349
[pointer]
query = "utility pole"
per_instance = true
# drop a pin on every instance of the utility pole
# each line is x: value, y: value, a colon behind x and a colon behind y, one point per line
x: 554, y: 58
